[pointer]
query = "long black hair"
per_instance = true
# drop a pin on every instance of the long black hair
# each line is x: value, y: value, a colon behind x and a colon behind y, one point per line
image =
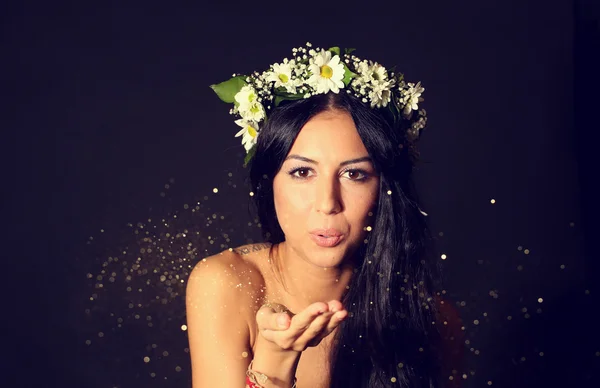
x: 390, y: 338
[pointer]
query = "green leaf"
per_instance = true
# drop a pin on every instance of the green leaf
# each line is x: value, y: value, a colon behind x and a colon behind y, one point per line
x: 249, y: 155
x: 349, y: 51
x: 348, y: 75
x: 282, y: 96
x: 228, y: 89
x: 334, y: 50
x: 278, y: 100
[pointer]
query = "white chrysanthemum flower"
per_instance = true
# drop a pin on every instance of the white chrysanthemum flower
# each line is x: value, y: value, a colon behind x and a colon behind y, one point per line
x: 412, y: 97
x: 381, y: 94
x: 282, y: 76
x: 249, y: 133
x: 327, y: 72
x: 371, y: 72
x: 249, y: 107
x: 378, y: 73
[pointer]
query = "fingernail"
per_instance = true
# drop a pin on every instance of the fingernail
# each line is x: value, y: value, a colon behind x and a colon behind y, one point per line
x: 282, y: 321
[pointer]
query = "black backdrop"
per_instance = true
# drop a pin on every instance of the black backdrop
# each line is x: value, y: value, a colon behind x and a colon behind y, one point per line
x: 109, y: 121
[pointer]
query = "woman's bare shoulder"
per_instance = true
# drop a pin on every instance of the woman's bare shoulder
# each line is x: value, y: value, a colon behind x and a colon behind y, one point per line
x: 240, y: 269
x: 221, y: 294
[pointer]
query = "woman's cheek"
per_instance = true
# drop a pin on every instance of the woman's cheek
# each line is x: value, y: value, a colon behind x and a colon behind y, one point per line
x: 289, y: 206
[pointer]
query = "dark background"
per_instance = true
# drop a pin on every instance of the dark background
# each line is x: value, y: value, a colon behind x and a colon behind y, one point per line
x: 107, y: 103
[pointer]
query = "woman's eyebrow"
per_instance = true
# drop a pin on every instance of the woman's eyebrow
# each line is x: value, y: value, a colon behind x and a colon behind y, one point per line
x: 351, y: 161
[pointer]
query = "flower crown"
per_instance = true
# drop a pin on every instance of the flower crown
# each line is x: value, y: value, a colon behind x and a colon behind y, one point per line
x: 313, y: 71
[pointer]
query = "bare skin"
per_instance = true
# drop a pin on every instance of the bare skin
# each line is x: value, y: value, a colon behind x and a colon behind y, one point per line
x: 327, y: 181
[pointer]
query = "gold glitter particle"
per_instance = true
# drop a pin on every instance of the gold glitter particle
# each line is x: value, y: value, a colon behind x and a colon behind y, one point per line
x: 146, y: 359
x: 184, y: 327
x: 369, y: 228
x: 493, y: 201
x: 152, y: 374
x: 489, y: 382
x: 252, y: 194
x: 562, y: 266
x: 444, y: 257
x: 88, y: 342
x: 165, y: 353
x: 476, y: 322
x: 523, y: 358
x: 215, y: 190
x: 450, y: 377
x: 464, y: 376
x: 393, y: 379
x: 389, y: 192
x: 101, y: 334
x: 526, y: 251
x: 244, y: 354
x: 540, y: 300
x: 400, y: 365
x: 177, y: 369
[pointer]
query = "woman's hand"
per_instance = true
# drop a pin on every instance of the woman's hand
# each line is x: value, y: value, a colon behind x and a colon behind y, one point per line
x: 283, y: 331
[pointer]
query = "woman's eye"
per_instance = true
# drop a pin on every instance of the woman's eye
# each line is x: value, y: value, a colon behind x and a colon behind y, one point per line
x: 301, y: 173
x: 356, y: 175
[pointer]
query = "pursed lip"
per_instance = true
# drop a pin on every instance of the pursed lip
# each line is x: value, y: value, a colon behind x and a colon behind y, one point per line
x: 329, y: 232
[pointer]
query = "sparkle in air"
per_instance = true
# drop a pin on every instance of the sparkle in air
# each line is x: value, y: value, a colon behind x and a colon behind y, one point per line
x: 150, y: 275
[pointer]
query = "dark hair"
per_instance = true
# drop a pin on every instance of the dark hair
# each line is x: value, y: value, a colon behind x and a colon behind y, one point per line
x: 393, y: 337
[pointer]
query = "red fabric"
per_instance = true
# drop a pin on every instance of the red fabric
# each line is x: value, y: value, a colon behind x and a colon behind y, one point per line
x: 250, y: 384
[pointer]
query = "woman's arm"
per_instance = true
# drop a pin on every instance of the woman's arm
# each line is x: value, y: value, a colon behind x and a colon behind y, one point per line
x: 217, y: 327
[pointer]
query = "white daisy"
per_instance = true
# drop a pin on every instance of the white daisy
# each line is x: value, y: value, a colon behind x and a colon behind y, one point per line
x: 381, y: 94
x: 282, y: 76
x: 249, y: 133
x: 327, y: 72
x: 412, y: 97
x: 379, y: 73
x: 249, y: 107
x: 371, y: 72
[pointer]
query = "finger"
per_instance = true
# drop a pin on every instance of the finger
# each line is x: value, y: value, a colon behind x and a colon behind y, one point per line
x: 335, y: 305
x: 315, y: 328
x: 303, y: 319
x: 269, y: 317
x: 334, y: 321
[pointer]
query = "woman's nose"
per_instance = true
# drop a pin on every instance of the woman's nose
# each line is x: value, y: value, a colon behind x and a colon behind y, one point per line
x: 327, y: 196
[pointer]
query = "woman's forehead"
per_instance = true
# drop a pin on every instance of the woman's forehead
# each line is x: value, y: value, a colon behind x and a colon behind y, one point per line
x: 330, y: 134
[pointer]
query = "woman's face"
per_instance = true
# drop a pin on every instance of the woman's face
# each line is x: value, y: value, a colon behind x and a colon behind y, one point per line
x: 326, y: 182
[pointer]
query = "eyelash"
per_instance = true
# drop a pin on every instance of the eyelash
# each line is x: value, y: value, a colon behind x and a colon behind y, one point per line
x: 294, y: 170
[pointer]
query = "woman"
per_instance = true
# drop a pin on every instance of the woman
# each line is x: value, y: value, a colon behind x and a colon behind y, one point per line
x: 341, y: 293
